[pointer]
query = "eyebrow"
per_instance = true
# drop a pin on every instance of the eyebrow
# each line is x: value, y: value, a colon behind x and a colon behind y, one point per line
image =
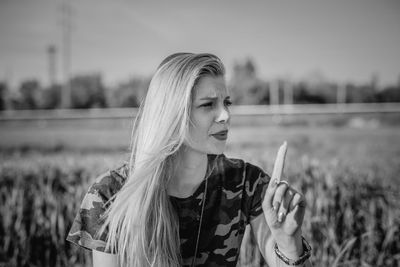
x: 212, y: 98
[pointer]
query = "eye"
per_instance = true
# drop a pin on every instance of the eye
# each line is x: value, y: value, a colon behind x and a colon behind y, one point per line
x: 208, y: 104
x: 228, y: 103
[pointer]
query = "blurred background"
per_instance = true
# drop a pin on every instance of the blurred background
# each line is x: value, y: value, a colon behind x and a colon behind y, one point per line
x: 325, y: 76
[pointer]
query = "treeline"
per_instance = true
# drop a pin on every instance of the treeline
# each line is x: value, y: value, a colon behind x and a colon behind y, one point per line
x: 89, y: 91
x: 86, y: 91
x: 248, y: 89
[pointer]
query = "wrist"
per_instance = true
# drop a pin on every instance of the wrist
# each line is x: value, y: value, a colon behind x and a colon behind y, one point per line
x: 291, y: 247
x: 293, y: 250
x: 293, y: 259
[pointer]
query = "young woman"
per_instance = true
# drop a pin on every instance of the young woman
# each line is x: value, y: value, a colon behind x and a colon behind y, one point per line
x: 180, y: 201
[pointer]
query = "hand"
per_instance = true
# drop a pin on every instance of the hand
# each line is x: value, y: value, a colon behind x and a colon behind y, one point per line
x: 284, y: 208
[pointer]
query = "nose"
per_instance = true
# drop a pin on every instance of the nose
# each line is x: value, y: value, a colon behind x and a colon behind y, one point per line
x: 223, y: 115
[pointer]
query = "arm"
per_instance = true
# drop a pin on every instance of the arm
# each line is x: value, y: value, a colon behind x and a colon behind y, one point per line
x: 101, y: 259
x: 283, y: 213
x: 266, y: 243
x: 84, y: 231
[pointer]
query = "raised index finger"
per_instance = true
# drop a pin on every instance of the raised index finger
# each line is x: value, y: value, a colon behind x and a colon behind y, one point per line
x: 275, y: 177
x: 279, y: 163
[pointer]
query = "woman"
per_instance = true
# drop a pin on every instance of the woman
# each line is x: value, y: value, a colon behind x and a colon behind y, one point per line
x: 179, y: 200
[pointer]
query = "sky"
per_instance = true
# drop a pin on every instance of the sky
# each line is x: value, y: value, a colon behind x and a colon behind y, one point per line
x: 340, y: 40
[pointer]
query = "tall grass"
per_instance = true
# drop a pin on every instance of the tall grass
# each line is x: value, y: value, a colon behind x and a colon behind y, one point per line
x: 351, y: 219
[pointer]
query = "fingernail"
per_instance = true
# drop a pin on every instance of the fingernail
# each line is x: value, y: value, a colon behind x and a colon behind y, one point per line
x: 280, y: 216
x: 275, y: 182
x: 276, y: 205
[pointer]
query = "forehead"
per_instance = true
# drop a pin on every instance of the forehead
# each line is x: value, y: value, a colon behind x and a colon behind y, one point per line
x: 209, y: 86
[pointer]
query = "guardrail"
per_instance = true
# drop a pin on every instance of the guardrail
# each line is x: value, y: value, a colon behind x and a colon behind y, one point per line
x: 240, y: 110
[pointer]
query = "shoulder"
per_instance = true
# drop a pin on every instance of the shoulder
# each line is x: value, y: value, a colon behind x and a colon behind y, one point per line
x: 109, y: 183
x: 239, y: 167
x: 85, y: 227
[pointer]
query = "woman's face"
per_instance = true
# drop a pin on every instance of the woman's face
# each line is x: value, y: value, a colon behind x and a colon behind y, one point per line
x: 210, y: 116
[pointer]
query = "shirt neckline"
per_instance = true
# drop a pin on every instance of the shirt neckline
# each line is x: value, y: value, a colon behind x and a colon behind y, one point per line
x: 210, y: 172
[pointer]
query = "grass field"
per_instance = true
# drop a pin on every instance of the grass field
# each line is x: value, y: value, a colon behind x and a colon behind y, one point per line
x: 349, y: 176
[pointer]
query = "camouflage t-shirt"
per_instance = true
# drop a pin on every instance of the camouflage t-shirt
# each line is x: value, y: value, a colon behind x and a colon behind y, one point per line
x: 234, y: 196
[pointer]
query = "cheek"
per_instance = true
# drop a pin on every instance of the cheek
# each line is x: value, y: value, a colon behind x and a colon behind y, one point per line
x: 201, y: 125
x: 199, y: 131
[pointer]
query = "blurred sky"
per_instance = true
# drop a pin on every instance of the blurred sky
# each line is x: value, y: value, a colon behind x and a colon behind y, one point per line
x: 346, y: 40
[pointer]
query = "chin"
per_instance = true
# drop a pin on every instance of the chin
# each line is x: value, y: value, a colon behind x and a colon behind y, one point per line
x: 217, y: 149
x: 214, y: 148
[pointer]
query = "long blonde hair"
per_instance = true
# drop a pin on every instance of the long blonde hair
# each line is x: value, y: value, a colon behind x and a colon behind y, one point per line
x: 142, y: 225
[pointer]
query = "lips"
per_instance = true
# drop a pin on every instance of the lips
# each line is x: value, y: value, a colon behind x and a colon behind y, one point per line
x: 222, y: 135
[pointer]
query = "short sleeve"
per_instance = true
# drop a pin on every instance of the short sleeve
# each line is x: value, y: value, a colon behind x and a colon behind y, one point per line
x: 89, y: 219
x: 255, y: 185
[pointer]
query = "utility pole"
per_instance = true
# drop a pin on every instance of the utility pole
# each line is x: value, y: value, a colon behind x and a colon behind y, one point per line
x: 66, y: 53
x: 341, y: 94
x: 51, y: 52
x: 274, y: 93
x: 288, y: 93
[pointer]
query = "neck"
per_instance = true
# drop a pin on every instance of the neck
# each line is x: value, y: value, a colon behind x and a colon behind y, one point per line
x: 189, y: 172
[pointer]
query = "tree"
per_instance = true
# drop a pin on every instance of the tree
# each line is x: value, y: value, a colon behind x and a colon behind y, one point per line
x: 360, y: 93
x: 303, y: 95
x: 130, y: 93
x: 246, y: 88
x: 87, y: 91
x: 51, y: 97
x: 29, y: 94
x: 389, y: 94
x: 3, y: 95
